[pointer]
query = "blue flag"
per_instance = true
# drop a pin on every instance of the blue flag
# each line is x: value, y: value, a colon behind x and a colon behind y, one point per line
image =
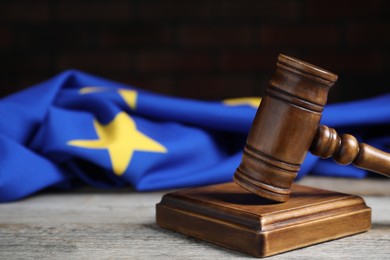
x: 78, y: 129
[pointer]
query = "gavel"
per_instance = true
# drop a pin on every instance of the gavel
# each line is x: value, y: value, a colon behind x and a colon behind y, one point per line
x: 287, y: 126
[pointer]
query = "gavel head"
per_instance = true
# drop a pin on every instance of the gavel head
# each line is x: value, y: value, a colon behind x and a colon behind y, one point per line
x: 283, y: 128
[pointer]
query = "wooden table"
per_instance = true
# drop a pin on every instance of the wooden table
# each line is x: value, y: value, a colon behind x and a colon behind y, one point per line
x: 95, y: 224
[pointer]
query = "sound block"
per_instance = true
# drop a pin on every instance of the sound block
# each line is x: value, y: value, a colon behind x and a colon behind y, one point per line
x: 229, y: 216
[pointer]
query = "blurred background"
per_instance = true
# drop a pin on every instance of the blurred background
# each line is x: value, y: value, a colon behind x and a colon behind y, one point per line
x: 196, y: 49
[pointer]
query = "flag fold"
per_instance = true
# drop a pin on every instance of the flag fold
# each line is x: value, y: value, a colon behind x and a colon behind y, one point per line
x: 78, y: 128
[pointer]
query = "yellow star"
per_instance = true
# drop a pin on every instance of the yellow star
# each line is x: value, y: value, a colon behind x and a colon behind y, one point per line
x: 87, y: 90
x: 121, y: 138
x: 250, y: 101
x: 128, y: 95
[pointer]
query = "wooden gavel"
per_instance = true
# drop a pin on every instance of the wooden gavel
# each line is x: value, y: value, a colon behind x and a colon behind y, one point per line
x: 286, y: 126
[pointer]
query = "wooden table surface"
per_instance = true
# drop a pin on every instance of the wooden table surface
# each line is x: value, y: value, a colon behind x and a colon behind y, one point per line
x: 95, y: 224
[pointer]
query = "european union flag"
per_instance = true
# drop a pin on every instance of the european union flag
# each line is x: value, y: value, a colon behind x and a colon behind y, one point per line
x: 77, y: 129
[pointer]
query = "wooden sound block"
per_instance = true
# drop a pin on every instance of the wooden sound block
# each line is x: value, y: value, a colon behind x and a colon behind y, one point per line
x: 232, y: 217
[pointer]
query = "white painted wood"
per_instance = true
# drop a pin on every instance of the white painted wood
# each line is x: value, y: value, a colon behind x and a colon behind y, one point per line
x: 92, y: 224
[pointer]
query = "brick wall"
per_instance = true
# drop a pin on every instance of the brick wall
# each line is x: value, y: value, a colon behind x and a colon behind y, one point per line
x: 196, y: 48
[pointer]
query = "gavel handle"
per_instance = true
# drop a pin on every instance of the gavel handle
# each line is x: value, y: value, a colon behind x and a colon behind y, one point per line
x: 346, y: 149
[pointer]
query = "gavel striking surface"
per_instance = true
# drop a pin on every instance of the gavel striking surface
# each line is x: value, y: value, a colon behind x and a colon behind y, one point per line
x: 234, y: 218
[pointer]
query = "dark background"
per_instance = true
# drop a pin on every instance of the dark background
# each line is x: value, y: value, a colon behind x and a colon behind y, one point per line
x: 197, y: 49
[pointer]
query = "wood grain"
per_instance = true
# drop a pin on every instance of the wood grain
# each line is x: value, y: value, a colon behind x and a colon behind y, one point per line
x: 93, y: 224
x: 232, y: 217
x: 345, y: 149
x: 284, y: 128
